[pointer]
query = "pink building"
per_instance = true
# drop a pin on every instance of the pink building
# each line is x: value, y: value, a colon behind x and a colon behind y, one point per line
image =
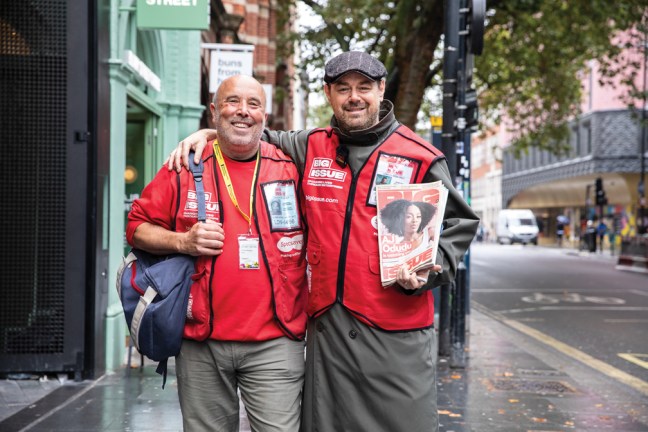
x: 605, y: 143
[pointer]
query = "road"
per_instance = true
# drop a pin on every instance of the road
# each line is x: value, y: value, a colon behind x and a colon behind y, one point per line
x: 576, y: 303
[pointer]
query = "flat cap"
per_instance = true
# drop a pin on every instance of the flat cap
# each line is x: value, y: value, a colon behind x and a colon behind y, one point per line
x: 354, y: 61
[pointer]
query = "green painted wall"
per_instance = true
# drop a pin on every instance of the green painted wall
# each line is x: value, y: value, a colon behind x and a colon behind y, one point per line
x: 174, y: 56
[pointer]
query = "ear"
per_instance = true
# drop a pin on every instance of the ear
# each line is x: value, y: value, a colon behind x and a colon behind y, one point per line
x: 212, y: 109
x: 327, y: 92
x: 381, y: 88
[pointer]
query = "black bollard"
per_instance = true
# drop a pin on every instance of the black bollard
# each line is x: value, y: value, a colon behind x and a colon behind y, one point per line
x: 444, y: 320
x: 458, y: 320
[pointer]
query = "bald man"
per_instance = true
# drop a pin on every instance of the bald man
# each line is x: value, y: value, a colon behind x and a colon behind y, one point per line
x: 246, y: 318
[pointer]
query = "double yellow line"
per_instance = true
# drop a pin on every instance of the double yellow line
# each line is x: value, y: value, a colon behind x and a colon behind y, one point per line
x: 611, y: 371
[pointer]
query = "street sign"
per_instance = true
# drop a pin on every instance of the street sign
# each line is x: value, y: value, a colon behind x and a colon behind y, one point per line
x: 436, y: 121
x: 173, y: 14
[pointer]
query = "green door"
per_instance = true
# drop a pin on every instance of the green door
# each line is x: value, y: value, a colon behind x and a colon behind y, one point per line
x: 141, y: 143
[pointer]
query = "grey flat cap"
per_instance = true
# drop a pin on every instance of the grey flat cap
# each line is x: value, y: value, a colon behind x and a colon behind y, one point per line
x: 353, y: 61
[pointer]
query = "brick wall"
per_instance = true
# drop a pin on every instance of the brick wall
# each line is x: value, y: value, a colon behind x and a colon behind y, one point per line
x: 259, y: 28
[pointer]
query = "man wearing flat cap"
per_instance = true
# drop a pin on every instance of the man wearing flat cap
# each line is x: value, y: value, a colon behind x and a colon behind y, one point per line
x: 370, y: 356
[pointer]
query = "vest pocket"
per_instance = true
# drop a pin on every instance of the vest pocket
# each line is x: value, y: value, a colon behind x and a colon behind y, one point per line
x: 292, y: 296
x: 313, y: 255
x: 374, y: 263
x: 314, y: 271
x: 198, y: 307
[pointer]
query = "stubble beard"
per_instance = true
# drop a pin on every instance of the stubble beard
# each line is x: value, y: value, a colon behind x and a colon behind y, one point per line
x: 370, y: 119
x: 228, y: 136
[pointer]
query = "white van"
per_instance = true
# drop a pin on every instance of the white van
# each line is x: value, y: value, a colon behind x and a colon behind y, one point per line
x: 517, y: 226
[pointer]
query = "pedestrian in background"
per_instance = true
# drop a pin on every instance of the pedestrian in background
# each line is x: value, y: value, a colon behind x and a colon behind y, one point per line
x: 601, y: 230
x: 371, y: 358
x: 246, y: 318
x: 560, y: 231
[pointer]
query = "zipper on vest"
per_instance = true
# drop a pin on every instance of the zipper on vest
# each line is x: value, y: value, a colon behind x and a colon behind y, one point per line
x: 264, y: 256
x: 345, y: 239
x: 211, y: 299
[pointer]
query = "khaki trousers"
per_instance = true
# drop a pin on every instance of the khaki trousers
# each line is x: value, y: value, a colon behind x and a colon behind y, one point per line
x: 269, y: 375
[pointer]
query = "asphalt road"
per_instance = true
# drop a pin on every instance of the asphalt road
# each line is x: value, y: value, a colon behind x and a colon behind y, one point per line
x: 576, y: 303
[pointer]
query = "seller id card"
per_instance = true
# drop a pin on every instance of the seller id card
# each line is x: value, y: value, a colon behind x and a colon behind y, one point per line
x: 281, y: 202
x: 392, y: 169
x: 248, y: 252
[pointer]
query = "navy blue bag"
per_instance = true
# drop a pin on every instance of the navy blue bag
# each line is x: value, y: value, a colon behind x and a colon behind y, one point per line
x: 154, y: 292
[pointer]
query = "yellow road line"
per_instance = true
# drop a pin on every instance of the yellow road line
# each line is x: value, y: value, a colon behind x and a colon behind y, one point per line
x: 634, y: 358
x: 587, y: 359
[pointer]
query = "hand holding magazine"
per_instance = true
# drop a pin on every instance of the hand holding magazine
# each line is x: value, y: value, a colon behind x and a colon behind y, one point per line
x: 409, y: 225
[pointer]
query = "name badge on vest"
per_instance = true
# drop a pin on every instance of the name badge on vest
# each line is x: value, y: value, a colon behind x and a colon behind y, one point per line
x: 248, y: 252
x: 282, y: 206
x: 392, y: 169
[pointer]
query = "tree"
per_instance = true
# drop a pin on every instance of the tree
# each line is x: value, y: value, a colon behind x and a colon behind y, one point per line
x: 533, y: 53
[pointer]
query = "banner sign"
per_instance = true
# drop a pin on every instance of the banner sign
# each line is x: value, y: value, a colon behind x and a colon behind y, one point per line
x: 227, y: 60
x: 142, y: 71
x: 173, y: 14
x: 268, y: 93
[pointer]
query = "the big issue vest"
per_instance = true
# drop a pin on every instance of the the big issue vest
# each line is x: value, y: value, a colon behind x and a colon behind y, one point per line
x: 342, y: 249
x: 280, y: 228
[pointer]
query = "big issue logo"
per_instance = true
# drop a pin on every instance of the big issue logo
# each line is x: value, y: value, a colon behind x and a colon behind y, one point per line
x: 192, y: 202
x: 321, y: 169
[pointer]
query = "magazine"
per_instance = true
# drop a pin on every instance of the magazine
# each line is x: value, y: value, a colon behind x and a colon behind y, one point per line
x: 409, y: 226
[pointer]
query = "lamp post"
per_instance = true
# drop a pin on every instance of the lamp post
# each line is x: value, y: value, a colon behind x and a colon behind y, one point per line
x: 641, y: 188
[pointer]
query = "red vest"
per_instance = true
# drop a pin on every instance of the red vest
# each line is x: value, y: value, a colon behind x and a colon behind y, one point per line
x: 343, y: 235
x: 281, y: 247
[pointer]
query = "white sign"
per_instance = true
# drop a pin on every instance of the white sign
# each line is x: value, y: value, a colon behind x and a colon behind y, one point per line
x: 228, y: 60
x: 267, y: 88
x: 141, y: 70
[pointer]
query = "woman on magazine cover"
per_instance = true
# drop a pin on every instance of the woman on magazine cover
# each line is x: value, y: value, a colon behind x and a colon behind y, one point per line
x: 409, y: 220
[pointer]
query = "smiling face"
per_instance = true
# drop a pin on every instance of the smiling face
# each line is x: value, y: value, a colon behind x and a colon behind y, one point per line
x: 355, y: 100
x: 412, y: 221
x: 238, y: 112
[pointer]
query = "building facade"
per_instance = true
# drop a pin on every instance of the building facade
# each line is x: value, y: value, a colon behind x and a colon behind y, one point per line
x: 154, y: 78
x: 255, y: 23
x: 605, y: 143
x: 96, y: 101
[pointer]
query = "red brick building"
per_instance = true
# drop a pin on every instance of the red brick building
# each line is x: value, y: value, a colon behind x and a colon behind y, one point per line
x: 253, y: 22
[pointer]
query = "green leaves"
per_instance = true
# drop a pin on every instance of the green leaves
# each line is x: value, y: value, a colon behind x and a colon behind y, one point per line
x: 535, y: 54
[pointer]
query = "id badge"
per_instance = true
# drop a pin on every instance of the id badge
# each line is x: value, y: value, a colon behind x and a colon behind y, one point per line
x: 248, y: 252
x: 392, y: 169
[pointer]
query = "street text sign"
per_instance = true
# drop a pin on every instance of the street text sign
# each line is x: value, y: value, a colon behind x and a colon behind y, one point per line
x: 173, y: 14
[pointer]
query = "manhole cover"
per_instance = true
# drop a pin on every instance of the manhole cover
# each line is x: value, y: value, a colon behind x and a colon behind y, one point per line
x: 531, y: 386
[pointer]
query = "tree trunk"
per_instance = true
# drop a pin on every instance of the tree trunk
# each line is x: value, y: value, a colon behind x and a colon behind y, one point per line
x: 418, y: 37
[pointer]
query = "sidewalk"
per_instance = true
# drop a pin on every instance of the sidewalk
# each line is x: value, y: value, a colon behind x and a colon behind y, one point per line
x: 511, y: 383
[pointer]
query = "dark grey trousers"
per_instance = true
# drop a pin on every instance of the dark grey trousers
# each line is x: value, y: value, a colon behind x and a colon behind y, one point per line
x: 362, y: 379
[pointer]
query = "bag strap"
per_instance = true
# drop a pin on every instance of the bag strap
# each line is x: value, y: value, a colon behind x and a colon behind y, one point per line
x: 162, y: 370
x: 197, y: 171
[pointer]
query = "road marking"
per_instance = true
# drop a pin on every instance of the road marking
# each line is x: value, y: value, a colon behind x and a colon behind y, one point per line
x: 549, y: 290
x: 634, y: 358
x: 577, y: 308
x: 625, y: 321
x: 542, y: 298
x: 643, y: 293
x: 611, y: 371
